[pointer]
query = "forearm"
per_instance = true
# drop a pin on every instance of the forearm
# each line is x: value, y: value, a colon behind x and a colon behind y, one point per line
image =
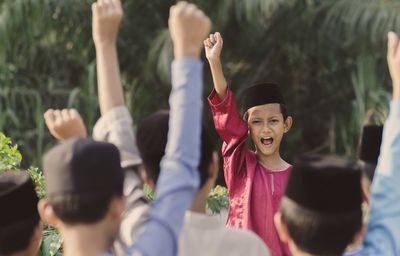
x: 179, y: 179
x: 219, y: 80
x: 108, y: 78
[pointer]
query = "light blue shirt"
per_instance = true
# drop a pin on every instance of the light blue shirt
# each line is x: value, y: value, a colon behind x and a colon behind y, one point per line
x: 179, y: 179
x: 383, y: 236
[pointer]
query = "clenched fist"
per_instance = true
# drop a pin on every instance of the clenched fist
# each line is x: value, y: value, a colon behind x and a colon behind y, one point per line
x: 64, y: 124
x: 188, y: 27
x: 106, y: 18
x: 213, y: 46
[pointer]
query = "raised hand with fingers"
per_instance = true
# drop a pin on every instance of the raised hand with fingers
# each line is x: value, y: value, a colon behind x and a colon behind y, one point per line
x: 213, y: 46
x: 107, y: 16
x: 188, y: 27
x: 64, y: 124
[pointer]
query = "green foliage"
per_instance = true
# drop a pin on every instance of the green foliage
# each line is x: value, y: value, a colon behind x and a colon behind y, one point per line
x: 10, y: 157
x: 218, y: 199
x: 311, y: 47
x: 51, y: 242
x: 38, y: 180
x: 149, y: 192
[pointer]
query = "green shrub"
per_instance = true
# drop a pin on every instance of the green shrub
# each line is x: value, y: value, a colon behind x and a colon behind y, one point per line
x: 10, y: 159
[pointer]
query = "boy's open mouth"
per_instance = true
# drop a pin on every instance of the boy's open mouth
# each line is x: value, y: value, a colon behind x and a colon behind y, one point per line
x: 267, y: 141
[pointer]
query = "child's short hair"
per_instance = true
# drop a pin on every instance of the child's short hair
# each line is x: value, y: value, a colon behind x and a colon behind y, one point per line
x: 151, y: 139
x: 82, y: 177
x: 19, y: 216
x: 88, y: 209
x: 322, y: 204
x: 320, y: 233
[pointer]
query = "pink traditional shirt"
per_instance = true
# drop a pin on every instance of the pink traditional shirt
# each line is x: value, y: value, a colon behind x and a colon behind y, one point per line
x: 254, y: 191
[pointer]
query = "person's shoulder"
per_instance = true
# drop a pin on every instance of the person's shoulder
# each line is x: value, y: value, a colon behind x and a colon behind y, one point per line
x: 241, y: 234
x: 251, y: 242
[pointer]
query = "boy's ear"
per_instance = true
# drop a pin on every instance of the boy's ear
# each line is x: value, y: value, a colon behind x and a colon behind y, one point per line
x: 281, y: 227
x: 46, y: 212
x: 117, y: 206
x: 146, y: 178
x: 288, y: 124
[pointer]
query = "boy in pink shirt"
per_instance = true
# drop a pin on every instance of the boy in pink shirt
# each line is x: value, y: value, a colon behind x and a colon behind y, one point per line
x: 257, y: 179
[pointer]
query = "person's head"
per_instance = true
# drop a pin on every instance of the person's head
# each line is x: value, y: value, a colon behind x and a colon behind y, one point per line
x: 20, y: 225
x: 321, y: 213
x: 267, y: 117
x: 84, y: 182
x: 369, y: 150
x: 152, y: 138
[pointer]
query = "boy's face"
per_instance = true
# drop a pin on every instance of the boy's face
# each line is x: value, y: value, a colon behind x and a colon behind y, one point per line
x: 266, y: 128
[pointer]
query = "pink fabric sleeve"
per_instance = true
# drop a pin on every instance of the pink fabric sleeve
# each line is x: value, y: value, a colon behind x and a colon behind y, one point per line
x: 232, y: 129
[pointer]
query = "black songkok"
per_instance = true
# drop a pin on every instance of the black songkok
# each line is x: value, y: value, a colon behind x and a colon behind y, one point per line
x: 18, y: 199
x: 260, y: 94
x: 325, y: 183
x: 83, y: 166
x: 371, y: 140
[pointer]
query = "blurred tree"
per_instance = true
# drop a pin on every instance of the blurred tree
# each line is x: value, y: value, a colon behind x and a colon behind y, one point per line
x: 314, y: 48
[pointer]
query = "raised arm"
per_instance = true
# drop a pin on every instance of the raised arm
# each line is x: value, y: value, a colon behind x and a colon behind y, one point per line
x: 115, y: 124
x: 178, y: 179
x: 383, y: 236
x: 213, y: 46
x: 107, y: 16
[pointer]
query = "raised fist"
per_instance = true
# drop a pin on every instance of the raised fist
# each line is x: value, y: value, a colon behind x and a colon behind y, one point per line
x: 213, y: 46
x: 188, y: 27
x: 64, y: 124
x: 106, y: 18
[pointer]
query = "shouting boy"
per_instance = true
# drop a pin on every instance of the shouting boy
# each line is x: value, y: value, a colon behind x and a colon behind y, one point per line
x: 256, y: 180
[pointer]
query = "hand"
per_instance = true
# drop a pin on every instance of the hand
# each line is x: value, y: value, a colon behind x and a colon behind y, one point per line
x: 393, y: 59
x: 213, y: 45
x: 106, y: 17
x: 65, y: 124
x: 188, y: 27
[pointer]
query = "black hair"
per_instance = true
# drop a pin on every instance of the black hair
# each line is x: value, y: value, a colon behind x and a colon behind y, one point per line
x: 151, y: 139
x: 320, y: 233
x: 17, y: 236
x: 83, y: 208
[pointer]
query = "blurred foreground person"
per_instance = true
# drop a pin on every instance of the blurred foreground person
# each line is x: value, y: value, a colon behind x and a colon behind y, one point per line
x: 20, y: 225
x: 201, y: 234
x: 178, y: 179
x: 318, y: 217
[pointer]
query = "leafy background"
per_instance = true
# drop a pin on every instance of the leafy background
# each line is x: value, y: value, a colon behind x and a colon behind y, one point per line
x: 328, y: 55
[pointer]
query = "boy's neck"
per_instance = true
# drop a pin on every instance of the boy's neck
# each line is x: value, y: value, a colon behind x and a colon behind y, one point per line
x: 273, y: 162
x: 89, y: 240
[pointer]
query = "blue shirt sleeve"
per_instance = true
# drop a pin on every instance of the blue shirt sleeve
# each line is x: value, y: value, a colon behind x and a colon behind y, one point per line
x: 383, y: 236
x: 179, y: 179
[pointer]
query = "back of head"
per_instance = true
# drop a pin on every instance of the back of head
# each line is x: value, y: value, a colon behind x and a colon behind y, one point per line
x: 263, y: 93
x: 152, y: 136
x: 19, y: 215
x: 82, y: 177
x: 369, y: 150
x: 322, y: 204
